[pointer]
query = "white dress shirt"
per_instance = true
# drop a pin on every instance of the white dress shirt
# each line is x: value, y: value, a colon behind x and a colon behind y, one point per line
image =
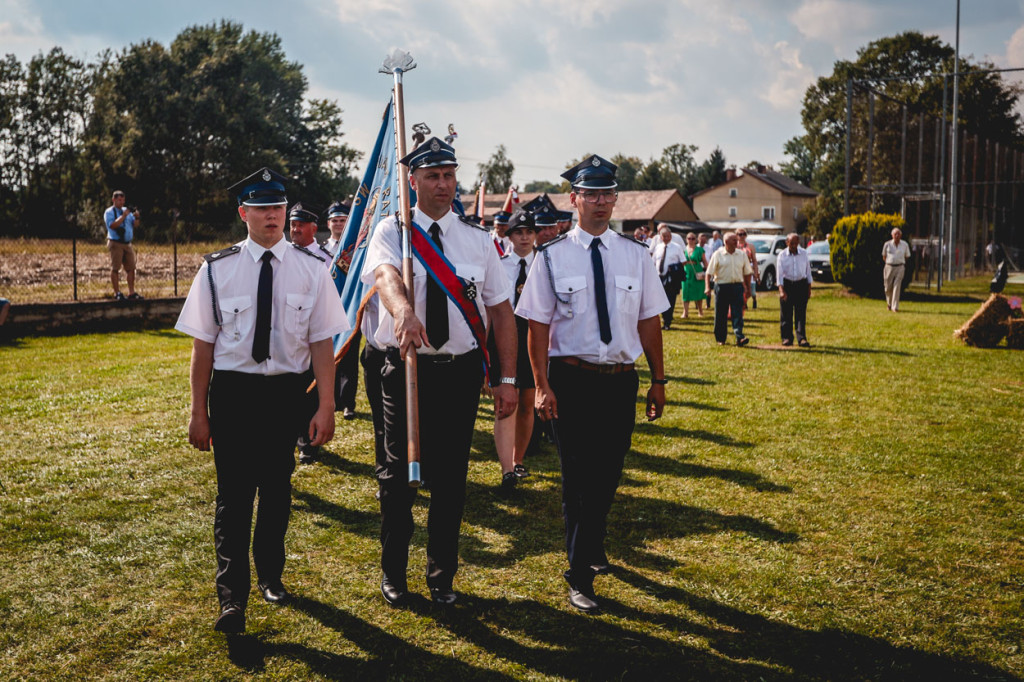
x: 794, y: 266
x: 511, y: 264
x: 305, y: 309
x: 469, y: 249
x: 667, y: 254
x: 895, y: 255
x: 634, y: 293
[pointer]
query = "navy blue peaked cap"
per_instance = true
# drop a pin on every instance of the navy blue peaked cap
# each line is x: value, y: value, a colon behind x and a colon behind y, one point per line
x: 431, y: 153
x: 592, y: 173
x: 265, y: 187
x: 338, y: 209
x: 521, y: 220
x: 304, y: 214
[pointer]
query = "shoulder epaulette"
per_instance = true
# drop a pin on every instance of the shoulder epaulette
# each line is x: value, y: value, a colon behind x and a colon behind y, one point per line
x: 633, y: 239
x: 471, y: 223
x: 553, y: 241
x: 217, y: 255
x: 306, y: 251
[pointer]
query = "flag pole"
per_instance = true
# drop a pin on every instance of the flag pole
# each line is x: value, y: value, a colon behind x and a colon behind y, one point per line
x: 396, y: 64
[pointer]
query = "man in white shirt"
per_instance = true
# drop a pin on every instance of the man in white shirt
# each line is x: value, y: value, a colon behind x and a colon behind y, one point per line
x: 668, y: 257
x: 260, y: 312
x: 450, y: 369
x: 337, y: 220
x: 794, y: 291
x: 730, y: 270
x: 895, y: 253
x: 593, y: 301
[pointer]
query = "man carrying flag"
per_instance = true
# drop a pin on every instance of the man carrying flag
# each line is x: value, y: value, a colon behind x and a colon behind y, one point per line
x: 459, y: 283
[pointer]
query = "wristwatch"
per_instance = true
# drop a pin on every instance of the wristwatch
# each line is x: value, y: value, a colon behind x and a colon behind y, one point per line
x: 508, y: 380
x: 660, y: 382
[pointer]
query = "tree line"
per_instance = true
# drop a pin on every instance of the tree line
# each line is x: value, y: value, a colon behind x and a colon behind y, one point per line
x: 172, y: 126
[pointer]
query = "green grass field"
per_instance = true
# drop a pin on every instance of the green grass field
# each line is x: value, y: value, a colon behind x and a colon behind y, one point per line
x: 852, y: 511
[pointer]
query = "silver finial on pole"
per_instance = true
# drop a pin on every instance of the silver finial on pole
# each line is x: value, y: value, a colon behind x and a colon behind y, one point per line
x: 399, y: 61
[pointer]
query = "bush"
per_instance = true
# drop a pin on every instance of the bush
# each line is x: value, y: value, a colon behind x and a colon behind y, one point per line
x: 855, y: 251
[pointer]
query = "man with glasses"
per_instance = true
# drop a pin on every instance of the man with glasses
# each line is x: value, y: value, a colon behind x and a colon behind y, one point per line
x: 592, y: 301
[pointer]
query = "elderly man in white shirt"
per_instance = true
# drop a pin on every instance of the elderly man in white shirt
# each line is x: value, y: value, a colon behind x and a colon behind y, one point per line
x: 895, y: 253
x: 668, y: 257
x: 794, y: 291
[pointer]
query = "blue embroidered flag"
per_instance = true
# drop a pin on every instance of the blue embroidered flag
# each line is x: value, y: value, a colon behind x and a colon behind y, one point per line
x: 376, y: 199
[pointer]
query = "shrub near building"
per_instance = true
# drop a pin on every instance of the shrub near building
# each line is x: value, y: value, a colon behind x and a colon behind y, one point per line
x: 855, y: 250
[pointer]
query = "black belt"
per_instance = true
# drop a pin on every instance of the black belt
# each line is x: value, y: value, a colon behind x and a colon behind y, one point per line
x: 574, y: 361
x: 119, y: 241
x: 432, y: 358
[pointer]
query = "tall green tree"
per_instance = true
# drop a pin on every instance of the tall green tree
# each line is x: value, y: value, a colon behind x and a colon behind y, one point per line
x: 907, y: 68
x: 496, y: 172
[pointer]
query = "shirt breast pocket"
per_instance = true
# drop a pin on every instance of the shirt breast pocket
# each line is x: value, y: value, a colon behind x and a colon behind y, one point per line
x: 571, y: 294
x: 237, y: 317
x: 627, y: 294
x: 298, y: 308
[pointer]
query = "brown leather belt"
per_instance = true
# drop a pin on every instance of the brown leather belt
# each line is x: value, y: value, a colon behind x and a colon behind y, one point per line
x: 574, y: 361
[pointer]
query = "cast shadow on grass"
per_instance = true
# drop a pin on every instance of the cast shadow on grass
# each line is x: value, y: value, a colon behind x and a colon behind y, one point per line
x: 560, y: 643
x: 390, y: 656
x: 816, y: 349
x: 353, y: 520
x: 669, y: 432
x: 348, y: 466
x: 676, y: 466
x: 922, y: 297
x: 642, y: 400
x: 829, y: 654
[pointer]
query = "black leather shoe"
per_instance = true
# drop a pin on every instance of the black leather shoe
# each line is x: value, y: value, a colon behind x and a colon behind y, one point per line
x: 520, y: 471
x: 585, y: 601
x: 274, y: 593
x: 742, y: 341
x: 393, y: 594
x: 231, y: 620
x: 601, y: 569
x: 787, y: 342
x: 508, y: 483
x: 348, y: 414
x: 443, y: 596
x: 308, y: 454
x: 804, y: 343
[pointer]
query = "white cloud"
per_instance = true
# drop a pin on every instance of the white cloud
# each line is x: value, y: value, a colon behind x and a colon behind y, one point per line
x: 844, y: 24
x: 791, y: 77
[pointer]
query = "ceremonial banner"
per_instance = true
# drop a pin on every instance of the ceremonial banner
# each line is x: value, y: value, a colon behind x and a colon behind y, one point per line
x: 376, y: 199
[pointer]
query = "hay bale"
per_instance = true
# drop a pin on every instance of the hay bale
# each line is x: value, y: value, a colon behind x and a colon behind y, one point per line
x: 1015, y: 333
x: 987, y: 326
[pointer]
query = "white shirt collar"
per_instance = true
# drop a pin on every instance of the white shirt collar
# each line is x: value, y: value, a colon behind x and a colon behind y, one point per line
x: 585, y: 238
x: 425, y: 221
x: 256, y: 251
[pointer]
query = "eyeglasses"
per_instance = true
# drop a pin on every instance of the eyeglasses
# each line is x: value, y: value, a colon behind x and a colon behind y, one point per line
x: 741, y: 234
x: 594, y: 197
x: 691, y: 239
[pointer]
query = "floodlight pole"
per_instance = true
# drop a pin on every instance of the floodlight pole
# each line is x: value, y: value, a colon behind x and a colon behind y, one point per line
x: 396, y: 64
x: 954, y: 177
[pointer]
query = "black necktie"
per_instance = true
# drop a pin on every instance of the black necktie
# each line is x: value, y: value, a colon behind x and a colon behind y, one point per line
x: 599, y: 291
x: 520, y: 280
x: 664, y: 257
x: 437, y: 302
x: 264, y: 299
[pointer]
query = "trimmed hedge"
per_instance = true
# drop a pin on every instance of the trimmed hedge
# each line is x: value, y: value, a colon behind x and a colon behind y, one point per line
x: 855, y: 251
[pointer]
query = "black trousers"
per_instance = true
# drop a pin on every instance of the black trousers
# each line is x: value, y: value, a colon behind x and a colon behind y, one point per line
x: 449, y: 395
x: 793, y: 310
x: 372, y: 360
x: 672, y: 291
x: 728, y: 297
x: 346, y: 377
x: 596, y: 416
x: 253, y: 420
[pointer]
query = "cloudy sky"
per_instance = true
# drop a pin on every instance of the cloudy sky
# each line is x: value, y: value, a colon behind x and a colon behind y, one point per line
x: 551, y: 79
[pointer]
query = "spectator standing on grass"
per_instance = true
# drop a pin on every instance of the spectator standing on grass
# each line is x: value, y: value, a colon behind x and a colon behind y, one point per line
x: 730, y: 270
x: 794, y: 291
x: 121, y: 222
x: 593, y: 301
x: 895, y: 253
x: 260, y: 312
x: 693, y: 286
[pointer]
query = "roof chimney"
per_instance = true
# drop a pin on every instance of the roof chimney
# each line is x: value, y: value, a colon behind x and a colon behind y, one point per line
x: 760, y: 168
x: 730, y: 174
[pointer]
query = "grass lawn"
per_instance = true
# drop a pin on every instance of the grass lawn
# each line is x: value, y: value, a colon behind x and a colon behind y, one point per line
x: 851, y: 511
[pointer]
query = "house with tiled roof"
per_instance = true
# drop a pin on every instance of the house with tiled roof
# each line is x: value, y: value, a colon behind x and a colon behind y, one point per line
x: 758, y: 194
x: 632, y: 209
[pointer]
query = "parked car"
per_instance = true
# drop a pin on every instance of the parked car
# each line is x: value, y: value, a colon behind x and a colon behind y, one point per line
x: 766, y: 250
x: 821, y: 266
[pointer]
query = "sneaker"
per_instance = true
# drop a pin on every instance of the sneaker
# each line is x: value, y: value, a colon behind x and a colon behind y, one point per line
x: 520, y: 471
x: 135, y: 297
x: 119, y: 297
x: 508, y: 483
